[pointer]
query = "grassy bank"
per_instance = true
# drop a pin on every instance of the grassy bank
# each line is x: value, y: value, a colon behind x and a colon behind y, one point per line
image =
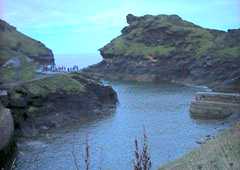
x: 221, y: 153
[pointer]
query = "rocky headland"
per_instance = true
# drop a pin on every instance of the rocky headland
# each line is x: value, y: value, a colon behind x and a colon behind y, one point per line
x: 168, y: 48
x: 31, y: 103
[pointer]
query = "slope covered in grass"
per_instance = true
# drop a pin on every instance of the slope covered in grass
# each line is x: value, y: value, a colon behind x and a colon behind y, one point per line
x: 166, y: 47
x: 20, y: 54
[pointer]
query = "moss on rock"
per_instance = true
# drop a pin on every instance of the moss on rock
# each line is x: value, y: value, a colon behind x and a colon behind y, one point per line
x: 45, y: 101
x: 229, y: 52
x: 124, y: 48
x: 159, y: 36
x: 53, y: 84
x: 24, y: 70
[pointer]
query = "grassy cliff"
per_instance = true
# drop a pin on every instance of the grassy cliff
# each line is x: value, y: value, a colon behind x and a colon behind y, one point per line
x: 165, y: 35
x: 166, y: 47
x: 20, y: 54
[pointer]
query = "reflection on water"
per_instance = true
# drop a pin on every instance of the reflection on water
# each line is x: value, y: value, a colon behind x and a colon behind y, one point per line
x: 162, y: 109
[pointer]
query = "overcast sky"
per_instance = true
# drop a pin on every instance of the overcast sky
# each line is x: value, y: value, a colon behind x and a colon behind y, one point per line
x: 83, y: 26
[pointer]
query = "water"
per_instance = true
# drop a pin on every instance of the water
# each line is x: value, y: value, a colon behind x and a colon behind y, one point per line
x: 81, y: 61
x: 161, y: 108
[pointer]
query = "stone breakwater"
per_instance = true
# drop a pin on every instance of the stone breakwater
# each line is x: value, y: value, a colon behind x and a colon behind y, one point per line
x: 213, y: 105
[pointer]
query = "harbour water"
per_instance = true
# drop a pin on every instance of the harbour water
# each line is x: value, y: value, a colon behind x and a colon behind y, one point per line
x: 163, y: 109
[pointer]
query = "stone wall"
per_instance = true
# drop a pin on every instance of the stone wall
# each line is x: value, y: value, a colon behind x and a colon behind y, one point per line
x: 213, y: 105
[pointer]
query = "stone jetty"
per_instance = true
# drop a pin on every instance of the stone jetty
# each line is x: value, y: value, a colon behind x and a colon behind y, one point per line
x: 215, y: 105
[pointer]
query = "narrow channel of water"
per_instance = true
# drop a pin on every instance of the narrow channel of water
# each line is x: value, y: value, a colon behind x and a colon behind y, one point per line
x: 161, y: 108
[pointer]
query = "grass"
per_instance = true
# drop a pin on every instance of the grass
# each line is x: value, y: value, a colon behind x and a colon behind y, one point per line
x: 52, y: 84
x: 7, y: 74
x: 15, y: 41
x: 200, y: 40
x: 193, y: 39
x: 124, y: 48
x: 229, y: 52
x: 221, y: 153
x: 6, y: 54
x: 31, y: 95
x: 166, y: 20
x: 26, y: 70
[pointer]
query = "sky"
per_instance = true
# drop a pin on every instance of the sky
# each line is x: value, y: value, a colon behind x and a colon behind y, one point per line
x: 84, y: 26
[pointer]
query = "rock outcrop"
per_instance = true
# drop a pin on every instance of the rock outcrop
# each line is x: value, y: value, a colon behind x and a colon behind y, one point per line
x: 210, y: 105
x: 221, y: 153
x: 7, y: 145
x: 56, y: 101
x: 20, y: 54
x: 168, y: 48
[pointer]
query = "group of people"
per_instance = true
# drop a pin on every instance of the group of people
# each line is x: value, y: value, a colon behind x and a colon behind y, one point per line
x: 54, y: 68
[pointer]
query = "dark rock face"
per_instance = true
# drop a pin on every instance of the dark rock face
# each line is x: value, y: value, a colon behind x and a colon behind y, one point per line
x: 167, y: 48
x: 58, y: 101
